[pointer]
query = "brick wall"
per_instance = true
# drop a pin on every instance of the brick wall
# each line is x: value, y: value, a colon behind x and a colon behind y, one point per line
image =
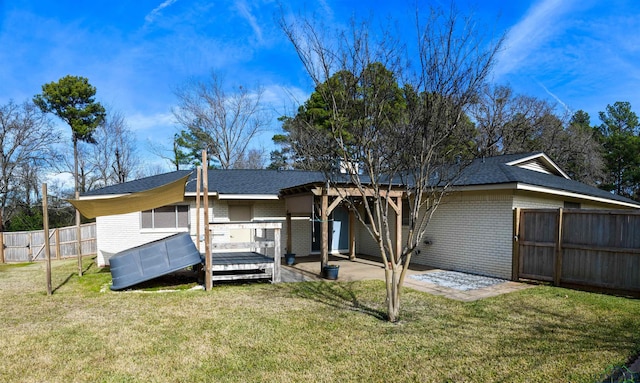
x: 470, y: 232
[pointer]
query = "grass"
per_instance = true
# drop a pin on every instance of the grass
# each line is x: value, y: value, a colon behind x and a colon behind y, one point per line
x: 302, y: 332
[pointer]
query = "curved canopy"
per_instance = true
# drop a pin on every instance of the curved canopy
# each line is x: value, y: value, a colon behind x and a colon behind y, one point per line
x: 149, y: 199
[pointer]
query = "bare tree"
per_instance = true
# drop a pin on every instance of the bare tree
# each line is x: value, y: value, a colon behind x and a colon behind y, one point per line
x: 387, y: 143
x: 27, y: 142
x: 221, y: 123
x: 509, y: 123
x: 114, y: 158
x: 253, y: 159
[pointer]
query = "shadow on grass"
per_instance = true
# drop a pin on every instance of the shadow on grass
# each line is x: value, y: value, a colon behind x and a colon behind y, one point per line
x: 86, y: 269
x: 549, y: 332
x: 339, y: 295
x: 64, y: 282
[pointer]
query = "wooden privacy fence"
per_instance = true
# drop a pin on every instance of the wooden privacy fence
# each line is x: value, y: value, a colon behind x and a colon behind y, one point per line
x: 28, y: 246
x: 596, y: 248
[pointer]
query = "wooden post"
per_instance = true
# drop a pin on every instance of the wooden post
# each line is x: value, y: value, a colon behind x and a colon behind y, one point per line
x: 1, y: 247
x: 78, y: 237
x: 557, y: 269
x: 515, y: 252
x: 198, y: 172
x: 207, y: 233
x: 47, y: 250
x: 352, y: 235
x: 398, y: 229
x: 324, y: 230
x: 30, y: 251
x: 58, y: 252
x: 276, y: 255
x: 289, y: 249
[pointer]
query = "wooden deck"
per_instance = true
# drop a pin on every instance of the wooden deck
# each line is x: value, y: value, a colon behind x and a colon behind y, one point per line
x: 242, y: 265
x: 226, y: 265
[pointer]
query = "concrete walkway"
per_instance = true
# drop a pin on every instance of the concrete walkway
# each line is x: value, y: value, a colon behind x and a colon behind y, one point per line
x: 308, y: 269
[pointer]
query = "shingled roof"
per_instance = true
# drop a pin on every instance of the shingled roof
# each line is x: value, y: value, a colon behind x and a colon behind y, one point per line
x: 497, y: 171
x: 232, y: 181
x: 500, y: 171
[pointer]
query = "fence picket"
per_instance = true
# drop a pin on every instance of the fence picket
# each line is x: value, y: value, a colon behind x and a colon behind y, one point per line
x: 598, y: 248
x: 20, y: 246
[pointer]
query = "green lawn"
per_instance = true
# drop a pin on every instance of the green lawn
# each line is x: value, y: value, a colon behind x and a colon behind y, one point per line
x: 303, y: 332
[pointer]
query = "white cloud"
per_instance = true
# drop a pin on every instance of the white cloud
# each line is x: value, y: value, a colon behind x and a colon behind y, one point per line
x: 245, y: 12
x: 538, y: 26
x: 151, y: 16
x: 139, y: 122
x: 564, y: 106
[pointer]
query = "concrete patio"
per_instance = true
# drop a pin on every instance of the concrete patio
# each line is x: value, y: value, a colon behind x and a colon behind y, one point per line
x: 307, y: 268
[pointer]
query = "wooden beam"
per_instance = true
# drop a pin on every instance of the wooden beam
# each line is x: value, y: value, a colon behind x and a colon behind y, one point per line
x: 198, y: 181
x: 243, y: 245
x: 352, y: 235
x: 515, y: 247
x: 57, y: 239
x: 289, y: 235
x: 354, y: 192
x: 324, y: 231
x: 248, y: 225
x: 557, y: 269
x: 207, y: 232
x: 276, y: 256
x: 398, y: 227
x: 47, y: 249
x: 334, y: 204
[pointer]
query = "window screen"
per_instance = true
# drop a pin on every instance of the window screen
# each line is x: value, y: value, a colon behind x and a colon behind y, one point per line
x: 166, y: 217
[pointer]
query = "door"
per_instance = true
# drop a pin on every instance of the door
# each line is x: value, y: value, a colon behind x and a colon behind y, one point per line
x: 240, y: 213
x: 338, y: 231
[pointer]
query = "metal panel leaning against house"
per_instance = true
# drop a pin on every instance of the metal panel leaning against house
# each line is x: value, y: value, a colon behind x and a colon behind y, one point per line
x: 471, y: 231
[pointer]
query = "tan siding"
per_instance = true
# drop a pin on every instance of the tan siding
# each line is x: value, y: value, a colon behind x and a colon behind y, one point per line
x: 535, y: 165
x: 531, y: 200
x: 470, y: 232
x: 528, y: 200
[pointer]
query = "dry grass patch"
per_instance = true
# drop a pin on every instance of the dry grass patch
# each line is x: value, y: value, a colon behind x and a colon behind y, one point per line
x: 301, y: 332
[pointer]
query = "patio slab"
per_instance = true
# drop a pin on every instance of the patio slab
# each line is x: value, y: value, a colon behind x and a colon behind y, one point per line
x: 308, y: 268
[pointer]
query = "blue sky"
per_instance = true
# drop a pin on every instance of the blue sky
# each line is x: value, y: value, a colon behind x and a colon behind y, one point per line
x: 582, y: 54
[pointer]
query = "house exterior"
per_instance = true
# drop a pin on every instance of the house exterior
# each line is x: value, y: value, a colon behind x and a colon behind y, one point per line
x: 471, y: 230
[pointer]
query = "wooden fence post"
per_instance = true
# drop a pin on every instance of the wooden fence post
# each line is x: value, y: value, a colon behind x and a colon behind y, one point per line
x: 557, y: 269
x: 57, y: 236
x: 1, y: 247
x: 30, y: 251
x: 515, y: 253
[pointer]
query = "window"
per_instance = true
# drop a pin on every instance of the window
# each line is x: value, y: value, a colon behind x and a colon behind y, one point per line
x: 571, y: 205
x: 166, y: 217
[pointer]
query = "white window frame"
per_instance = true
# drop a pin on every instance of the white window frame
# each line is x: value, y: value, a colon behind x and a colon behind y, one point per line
x: 175, y: 228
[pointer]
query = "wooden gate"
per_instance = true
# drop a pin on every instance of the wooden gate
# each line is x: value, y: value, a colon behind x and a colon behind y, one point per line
x: 28, y: 246
x: 596, y: 248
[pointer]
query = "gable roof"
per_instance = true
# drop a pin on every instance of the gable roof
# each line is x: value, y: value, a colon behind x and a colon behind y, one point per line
x: 505, y: 170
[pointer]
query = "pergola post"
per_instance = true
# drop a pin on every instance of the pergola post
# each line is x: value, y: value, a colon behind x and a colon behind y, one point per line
x: 352, y: 235
x: 289, y: 249
x: 324, y: 230
x: 399, y: 227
